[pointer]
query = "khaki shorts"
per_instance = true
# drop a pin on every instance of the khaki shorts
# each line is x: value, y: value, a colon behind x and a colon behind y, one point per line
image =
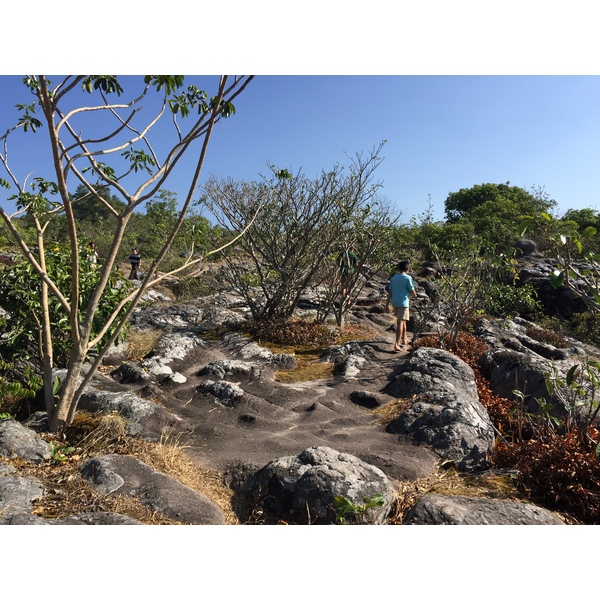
x: 402, y: 313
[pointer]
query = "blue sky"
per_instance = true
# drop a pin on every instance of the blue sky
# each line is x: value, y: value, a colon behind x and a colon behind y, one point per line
x: 443, y: 133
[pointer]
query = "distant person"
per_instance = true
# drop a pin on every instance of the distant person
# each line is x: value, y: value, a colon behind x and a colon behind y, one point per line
x: 92, y: 254
x: 347, y: 261
x: 400, y: 288
x: 134, y: 260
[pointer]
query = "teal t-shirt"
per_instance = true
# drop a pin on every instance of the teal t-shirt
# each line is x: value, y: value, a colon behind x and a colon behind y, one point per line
x: 401, y: 285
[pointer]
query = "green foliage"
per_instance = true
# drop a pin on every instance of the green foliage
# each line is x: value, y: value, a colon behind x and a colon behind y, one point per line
x: 20, y: 296
x: 139, y: 160
x: 508, y: 300
x: 462, y: 203
x: 192, y: 288
x: 494, y: 211
x: 582, y: 279
x: 60, y: 453
x: 18, y: 383
x: 586, y: 327
x: 107, y: 84
x: 344, y: 506
x: 464, y: 284
x: 583, y: 217
x: 27, y: 121
x: 578, y: 392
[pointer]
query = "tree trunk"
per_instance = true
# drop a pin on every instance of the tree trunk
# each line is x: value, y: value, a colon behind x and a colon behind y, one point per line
x: 62, y: 414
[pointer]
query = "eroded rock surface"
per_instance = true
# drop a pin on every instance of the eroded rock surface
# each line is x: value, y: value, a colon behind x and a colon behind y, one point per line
x: 124, y: 475
x: 440, y: 509
x: 301, y: 489
x: 445, y: 412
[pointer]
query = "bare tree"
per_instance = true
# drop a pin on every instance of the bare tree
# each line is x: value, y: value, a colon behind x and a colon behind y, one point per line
x: 302, y: 222
x: 108, y: 144
x: 364, y: 246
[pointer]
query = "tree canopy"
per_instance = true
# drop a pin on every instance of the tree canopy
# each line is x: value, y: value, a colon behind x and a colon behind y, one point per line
x: 461, y: 204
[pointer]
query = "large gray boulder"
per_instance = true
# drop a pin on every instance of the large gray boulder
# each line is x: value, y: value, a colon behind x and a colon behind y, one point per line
x: 18, y: 441
x: 301, y: 489
x: 445, y: 413
x: 516, y: 361
x: 16, y: 497
x: 127, y: 476
x: 145, y: 419
x: 441, y: 509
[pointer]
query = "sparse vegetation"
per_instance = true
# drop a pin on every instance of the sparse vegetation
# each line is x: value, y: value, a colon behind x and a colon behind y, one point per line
x: 558, y: 469
x: 547, y: 336
x: 292, y: 333
x: 93, y: 435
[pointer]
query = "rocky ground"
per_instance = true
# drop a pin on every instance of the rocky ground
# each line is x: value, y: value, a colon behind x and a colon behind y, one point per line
x: 284, y: 448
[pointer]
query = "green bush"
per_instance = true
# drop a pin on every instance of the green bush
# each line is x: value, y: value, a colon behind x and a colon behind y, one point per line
x: 507, y: 300
x: 586, y: 327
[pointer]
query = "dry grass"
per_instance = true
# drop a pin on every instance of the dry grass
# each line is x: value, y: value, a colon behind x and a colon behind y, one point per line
x: 356, y: 332
x: 142, y: 342
x: 391, y: 410
x: 309, y: 368
x: 169, y: 456
x: 451, y: 482
x: 69, y: 494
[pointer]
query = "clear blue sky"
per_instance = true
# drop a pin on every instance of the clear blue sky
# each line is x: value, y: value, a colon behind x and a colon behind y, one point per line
x: 443, y: 133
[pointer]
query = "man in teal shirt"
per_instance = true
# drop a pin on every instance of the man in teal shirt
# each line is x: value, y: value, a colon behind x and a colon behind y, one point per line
x: 400, y: 288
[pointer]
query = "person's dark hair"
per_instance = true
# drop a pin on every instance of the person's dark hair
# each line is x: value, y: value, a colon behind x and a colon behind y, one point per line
x: 403, y: 265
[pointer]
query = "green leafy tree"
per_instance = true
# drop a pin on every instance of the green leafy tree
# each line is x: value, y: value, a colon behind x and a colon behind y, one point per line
x: 494, y: 211
x: 20, y: 298
x: 461, y: 204
x: 99, y: 138
x: 581, y: 219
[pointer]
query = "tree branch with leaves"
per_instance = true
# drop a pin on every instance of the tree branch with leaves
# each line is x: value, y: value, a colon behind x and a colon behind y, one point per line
x: 97, y: 144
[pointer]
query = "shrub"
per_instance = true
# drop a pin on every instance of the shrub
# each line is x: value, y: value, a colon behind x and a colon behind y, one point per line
x: 586, y: 327
x: 547, y: 336
x: 292, y: 332
x: 560, y: 474
x: 558, y: 469
x: 505, y: 300
x: 190, y: 288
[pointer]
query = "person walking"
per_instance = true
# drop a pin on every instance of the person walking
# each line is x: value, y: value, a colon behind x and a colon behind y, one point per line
x: 399, y: 290
x: 134, y: 260
x: 347, y: 261
x: 92, y: 255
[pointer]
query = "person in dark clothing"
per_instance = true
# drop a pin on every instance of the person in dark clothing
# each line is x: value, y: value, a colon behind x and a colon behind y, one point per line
x: 134, y: 260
